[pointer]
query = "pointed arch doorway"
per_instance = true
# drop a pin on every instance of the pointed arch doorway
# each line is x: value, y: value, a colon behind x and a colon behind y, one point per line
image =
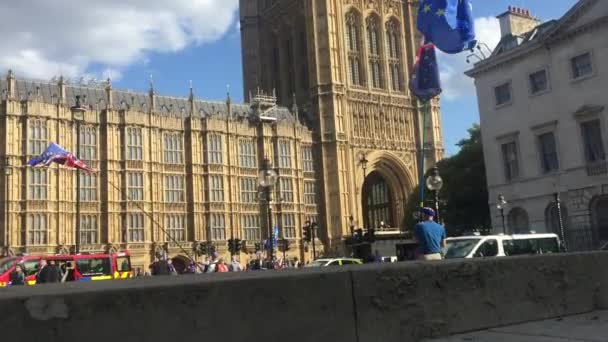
x: 378, y: 202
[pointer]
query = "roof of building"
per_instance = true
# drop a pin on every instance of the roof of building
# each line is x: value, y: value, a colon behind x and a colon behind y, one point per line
x: 95, y: 98
x: 511, y: 46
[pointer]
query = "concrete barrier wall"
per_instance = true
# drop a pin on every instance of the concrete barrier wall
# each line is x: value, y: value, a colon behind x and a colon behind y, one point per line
x: 371, y: 303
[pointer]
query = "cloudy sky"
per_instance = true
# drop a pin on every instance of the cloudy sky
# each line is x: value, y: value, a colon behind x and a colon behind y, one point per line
x: 176, y: 41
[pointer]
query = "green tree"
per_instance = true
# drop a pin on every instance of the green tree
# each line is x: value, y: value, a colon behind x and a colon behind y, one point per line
x: 464, y: 196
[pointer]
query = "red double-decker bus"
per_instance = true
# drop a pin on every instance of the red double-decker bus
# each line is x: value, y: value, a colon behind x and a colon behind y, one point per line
x: 78, y: 267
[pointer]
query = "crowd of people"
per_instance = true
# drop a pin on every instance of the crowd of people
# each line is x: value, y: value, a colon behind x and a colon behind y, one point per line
x: 49, y: 272
x: 217, y: 264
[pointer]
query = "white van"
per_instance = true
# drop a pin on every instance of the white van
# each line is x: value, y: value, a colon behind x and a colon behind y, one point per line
x: 476, y: 246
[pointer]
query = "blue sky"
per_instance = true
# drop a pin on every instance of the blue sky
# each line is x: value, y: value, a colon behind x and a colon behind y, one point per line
x: 176, y: 41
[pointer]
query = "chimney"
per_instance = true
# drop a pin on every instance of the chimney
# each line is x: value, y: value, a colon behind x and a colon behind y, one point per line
x: 517, y: 21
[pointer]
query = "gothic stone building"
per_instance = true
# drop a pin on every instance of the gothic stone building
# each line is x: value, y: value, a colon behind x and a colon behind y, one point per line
x: 348, y: 63
x: 181, y: 165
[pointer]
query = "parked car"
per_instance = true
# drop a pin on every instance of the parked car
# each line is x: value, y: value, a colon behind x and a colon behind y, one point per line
x: 326, y: 262
x: 476, y: 246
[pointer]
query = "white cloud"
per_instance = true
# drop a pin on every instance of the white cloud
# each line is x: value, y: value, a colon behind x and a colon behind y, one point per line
x: 452, y: 67
x: 46, y: 38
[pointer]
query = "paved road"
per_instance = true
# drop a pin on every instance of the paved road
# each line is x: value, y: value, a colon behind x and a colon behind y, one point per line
x: 591, y: 327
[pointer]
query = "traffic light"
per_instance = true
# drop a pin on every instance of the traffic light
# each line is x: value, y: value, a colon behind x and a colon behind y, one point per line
x: 201, y: 249
x: 358, y: 235
x: 371, y: 235
x: 238, y: 245
x: 258, y: 247
x: 231, y: 246
x: 306, y: 233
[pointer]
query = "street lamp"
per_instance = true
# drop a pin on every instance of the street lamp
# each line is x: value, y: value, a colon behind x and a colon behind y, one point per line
x: 267, y: 180
x: 434, y: 182
x: 363, y: 162
x: 560, y: 219
x: 8, y: 171
x: 78, y: 111
x: 502, y: 203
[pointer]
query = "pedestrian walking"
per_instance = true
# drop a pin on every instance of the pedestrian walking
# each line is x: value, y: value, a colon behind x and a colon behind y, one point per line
x: 430, y: 236
x: 235, y: 265
x: 221, y: 266
x: 212, y: 268
x: 172, y: 270
x: 17, y: 277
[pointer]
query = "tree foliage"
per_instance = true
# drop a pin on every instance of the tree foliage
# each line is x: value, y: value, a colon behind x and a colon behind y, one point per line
x: 464, y: 196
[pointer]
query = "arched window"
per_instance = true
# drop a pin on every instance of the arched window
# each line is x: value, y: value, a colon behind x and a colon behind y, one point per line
x: 353, y: 38
x: 552, y: 218
x: 393, y: 38
x: 377, y: 202
x: 518, y: 221
x: 373, y: 40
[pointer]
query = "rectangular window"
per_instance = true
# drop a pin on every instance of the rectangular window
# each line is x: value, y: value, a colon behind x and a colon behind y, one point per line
x: 38, y: 137
x: 173, y: 148
x: 251, y: 227
x: 135, y: 228
x: 511, y: 164
x: 88, y: 230
x: 175, y: 227
x: 307, y: 161
x: 88, y: 143
x: 214, y: 149
x: 289, y: 226
x: 310, y: 196
x: 216, y: 188
x: 581, y: 65
x: 218, y: 227
x: 548, y: 152
x: 135, y: 149
x: 248, y: 155
x: 174, y: 189
x: 592, y: 139
x: 249, y: 190
x: 37, y: 229
x: 286, y: 190
x: 88, y: 187
x: 38, y: 182
x: 284, y: 154
x: 502, y: 94
x: 538, y: 82
x: 135, y: 186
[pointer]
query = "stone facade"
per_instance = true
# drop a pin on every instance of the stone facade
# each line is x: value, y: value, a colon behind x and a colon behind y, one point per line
x: 178, y: 167
x: 542, y: 102
x: 347, y: 64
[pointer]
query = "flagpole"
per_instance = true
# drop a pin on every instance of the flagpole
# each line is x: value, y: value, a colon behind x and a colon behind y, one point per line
x: 425, y: 109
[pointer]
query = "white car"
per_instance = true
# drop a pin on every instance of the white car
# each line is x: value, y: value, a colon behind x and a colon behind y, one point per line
x: 327, y: 262
x: 477, y: 246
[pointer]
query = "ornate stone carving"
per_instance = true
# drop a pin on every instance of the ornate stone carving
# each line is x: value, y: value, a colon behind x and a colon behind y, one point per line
x: 64, y: 250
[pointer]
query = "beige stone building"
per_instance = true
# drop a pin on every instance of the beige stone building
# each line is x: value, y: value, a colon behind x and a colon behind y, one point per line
x: 542, y: 100
x: 348, y: 63
x: 172, y: 172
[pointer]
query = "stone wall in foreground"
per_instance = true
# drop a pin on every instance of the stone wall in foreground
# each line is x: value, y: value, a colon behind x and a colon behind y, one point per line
x: 371, y: 303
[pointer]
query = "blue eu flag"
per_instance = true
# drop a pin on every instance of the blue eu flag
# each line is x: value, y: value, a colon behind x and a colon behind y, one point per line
x: 448, y: 24
x: 425, y: 83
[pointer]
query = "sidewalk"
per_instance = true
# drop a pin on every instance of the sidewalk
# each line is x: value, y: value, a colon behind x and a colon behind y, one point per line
x: 587, y: 327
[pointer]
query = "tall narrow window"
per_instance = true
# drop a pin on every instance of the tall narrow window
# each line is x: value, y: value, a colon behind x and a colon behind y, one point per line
x: 173, y: 148
x: 249, y: 190
x: 354, y: 48
x: 37, y: 229
x: 548, y: 152
x: 214, y: 149
x: 135, y: 186
x: 88, y: 187
x: 251, y: 227
x: 174, y: 189
x: 393, y: 38
x: 287, y: 190
x: 135, y: 228
x: 218, y: 227
x: 247, y: 154
x: 307, y: 161
x: 284, y: 154
x: 592, y: 139
x: 289, y: 226
x: 175, y: 227
x: 88, y: 230
x: 88, y: 143
x: 38, y: 182
x: 310, y: 193
x: 511, y: 161
x: 216, y: 188
x: 135, y: 150
x: 373, y: 40
x: 37, y: 136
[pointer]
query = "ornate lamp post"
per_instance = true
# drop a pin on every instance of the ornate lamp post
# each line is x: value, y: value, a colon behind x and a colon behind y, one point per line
x: 434, y: 182
x: 8, y: 171
x: 502, y: 203
x: 267, y: 180
x: 78, y: 116
x: 363, y: 162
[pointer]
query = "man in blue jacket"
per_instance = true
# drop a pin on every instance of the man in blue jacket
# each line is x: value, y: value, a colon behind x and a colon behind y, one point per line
x: 430, y: 236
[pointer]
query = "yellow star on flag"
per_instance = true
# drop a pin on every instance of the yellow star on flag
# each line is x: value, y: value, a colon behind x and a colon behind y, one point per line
x: 440, y: 12
x: 427, y: 8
